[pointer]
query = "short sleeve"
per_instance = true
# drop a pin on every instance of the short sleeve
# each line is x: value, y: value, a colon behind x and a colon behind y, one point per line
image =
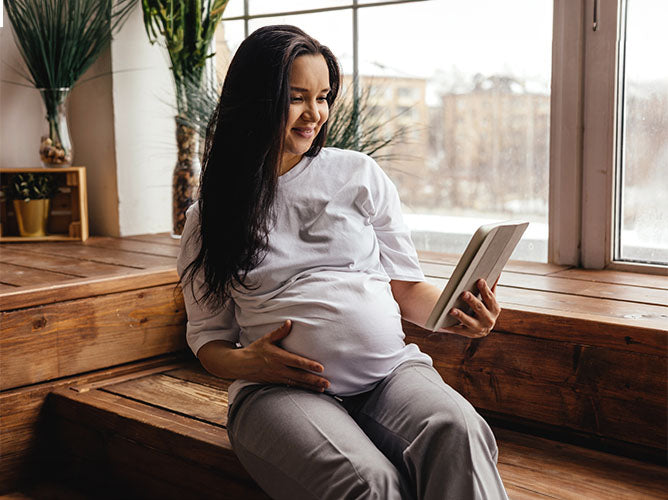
x: 397, y: 252
x: 203, y: 325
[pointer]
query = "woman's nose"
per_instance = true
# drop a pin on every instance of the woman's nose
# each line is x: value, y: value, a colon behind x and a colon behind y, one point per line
x: 311, y: 112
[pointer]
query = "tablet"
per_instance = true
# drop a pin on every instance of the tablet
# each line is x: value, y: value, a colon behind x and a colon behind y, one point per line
x: 484, y: 257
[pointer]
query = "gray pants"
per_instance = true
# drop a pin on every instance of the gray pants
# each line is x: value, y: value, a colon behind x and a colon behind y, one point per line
x: 412, y: 437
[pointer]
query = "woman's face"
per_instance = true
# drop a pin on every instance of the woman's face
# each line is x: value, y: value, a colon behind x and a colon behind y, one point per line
x: 309, y: 86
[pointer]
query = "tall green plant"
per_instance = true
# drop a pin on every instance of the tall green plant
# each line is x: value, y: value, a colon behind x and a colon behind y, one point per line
x: 60, y: 39
x: 186, y: 27
x: 357, y: 123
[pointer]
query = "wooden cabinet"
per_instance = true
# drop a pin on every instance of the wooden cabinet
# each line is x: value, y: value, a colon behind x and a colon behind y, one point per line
x: 68, y: 217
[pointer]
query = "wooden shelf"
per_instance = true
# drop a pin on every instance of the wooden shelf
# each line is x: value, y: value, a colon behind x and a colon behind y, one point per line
x: 68, y: 218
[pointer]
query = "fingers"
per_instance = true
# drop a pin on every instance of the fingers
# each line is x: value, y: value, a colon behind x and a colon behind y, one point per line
x: 489, y: 298
x: 295, y: 361
x: 485, y: 313
x: 305, y: 380
x: 280, y: 333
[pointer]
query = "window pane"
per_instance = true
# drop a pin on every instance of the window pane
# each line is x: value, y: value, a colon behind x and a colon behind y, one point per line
x: 333, y: 29
x: 234, y: 8
x: 468, y: 96
x: 269, y: 6
x: 642, y: 232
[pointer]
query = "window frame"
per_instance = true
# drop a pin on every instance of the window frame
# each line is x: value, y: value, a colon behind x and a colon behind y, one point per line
x: 583, y: 127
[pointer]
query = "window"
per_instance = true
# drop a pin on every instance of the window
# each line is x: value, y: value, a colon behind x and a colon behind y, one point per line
x: 495, y: 115
x: 641, y: 229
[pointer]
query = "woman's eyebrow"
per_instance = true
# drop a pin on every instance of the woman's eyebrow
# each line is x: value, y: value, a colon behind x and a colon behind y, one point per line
x: 301, y: 89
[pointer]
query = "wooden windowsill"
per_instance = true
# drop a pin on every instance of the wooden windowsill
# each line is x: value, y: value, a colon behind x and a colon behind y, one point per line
x: 610, y: 308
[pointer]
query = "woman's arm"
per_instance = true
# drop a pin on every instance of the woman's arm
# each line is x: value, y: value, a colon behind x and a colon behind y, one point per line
x: 416, y: 299
x: 262, y: 361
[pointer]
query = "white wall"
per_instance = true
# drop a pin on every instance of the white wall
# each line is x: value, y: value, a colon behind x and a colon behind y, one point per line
x: 121, y: 124
x: 144, y: 127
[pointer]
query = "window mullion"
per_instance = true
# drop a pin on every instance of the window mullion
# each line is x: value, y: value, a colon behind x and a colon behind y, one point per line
x: 566, y: 125
x: 598, y: 153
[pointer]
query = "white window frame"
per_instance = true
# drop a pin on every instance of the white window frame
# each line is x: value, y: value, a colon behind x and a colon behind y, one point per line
x: 583, y: 128
x: 584, y: 135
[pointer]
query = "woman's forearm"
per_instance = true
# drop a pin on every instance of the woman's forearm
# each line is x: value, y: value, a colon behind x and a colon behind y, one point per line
x: 416, y: 300
x: 223, y: 359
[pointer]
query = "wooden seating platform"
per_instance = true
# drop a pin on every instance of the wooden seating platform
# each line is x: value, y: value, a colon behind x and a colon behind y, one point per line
x: 97, y: 330
x: 161, y: 433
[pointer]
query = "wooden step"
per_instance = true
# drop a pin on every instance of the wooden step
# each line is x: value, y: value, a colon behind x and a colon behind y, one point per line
x: 162, y: 433
x: 158, y: 435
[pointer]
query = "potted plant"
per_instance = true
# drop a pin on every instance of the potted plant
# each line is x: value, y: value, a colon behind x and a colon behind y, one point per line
x: 31, y: 194
x: 186, y: 29
x: 59, y: 40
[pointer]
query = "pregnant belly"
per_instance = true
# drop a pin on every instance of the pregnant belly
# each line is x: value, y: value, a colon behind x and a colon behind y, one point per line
x: 354, y: 332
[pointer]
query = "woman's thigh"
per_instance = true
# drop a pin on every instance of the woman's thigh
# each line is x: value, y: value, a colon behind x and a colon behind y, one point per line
x: 301, y: 444
x: 431, y: 433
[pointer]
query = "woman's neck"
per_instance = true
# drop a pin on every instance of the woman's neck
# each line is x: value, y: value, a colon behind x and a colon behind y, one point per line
x: 288, y: 162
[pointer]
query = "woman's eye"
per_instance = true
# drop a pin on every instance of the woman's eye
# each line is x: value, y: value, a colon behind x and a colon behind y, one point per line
x: 322, y: 98
x: 296, y: 99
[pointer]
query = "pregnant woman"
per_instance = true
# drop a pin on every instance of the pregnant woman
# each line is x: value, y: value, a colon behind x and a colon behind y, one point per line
x: 296, y: 268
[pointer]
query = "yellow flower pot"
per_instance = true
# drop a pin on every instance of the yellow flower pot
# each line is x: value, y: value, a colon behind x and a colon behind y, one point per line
x: 32, y: 217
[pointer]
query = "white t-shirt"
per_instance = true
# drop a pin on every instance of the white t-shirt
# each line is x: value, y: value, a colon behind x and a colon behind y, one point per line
x: 338, y: 240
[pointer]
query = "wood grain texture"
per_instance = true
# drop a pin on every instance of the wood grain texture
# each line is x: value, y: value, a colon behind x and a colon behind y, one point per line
x: 513, y: 265
x: 165, y: 448
x: 72, y: 266
x: 20, y: 410
x: 20, y: 298
x: 161, y: 238
x: 102, y: 426
x: 103, y: 255
x: 559, y: 470
x: 66, y: 338
x: 616, y: 277
x: 203, y: 402
x: 567, y: 286
x: 130, y: 245
x: 616, y: 394
x: 19, y: 275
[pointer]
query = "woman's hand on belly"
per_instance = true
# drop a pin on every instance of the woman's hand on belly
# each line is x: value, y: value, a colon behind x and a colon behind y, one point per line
x: 266, y: 362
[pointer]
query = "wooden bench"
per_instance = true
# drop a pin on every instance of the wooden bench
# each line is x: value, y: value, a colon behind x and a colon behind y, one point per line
x: 577, y: 356
x: 159, y: 432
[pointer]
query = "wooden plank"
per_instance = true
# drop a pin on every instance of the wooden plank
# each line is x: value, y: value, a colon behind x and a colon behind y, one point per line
x: 195, y: 373
x: 168, y: 432
x: 87, y: 287
x: 28, y: 276
x: 596, y: 391
x: 566, y: 286
x: 587, y: 370
x: 559, y: 470
x: 519, y: 266
x: 631, y: 314
x: 69, y: 265
x: 124, y: 467
x: 161, y: 238
x: 103, y: 255
x: 20, y: 410
x: 131, y: 245
x: 47, y: 342
x: 180, y: 396
x: 616, y: 277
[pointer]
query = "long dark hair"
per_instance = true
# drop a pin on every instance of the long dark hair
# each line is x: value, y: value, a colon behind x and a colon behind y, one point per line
x: 242, y: 157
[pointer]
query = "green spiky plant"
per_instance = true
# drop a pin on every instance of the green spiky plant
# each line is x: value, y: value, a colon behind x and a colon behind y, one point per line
x: 357, y: 124
x: 59, y: 40
x: 186, y: 28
